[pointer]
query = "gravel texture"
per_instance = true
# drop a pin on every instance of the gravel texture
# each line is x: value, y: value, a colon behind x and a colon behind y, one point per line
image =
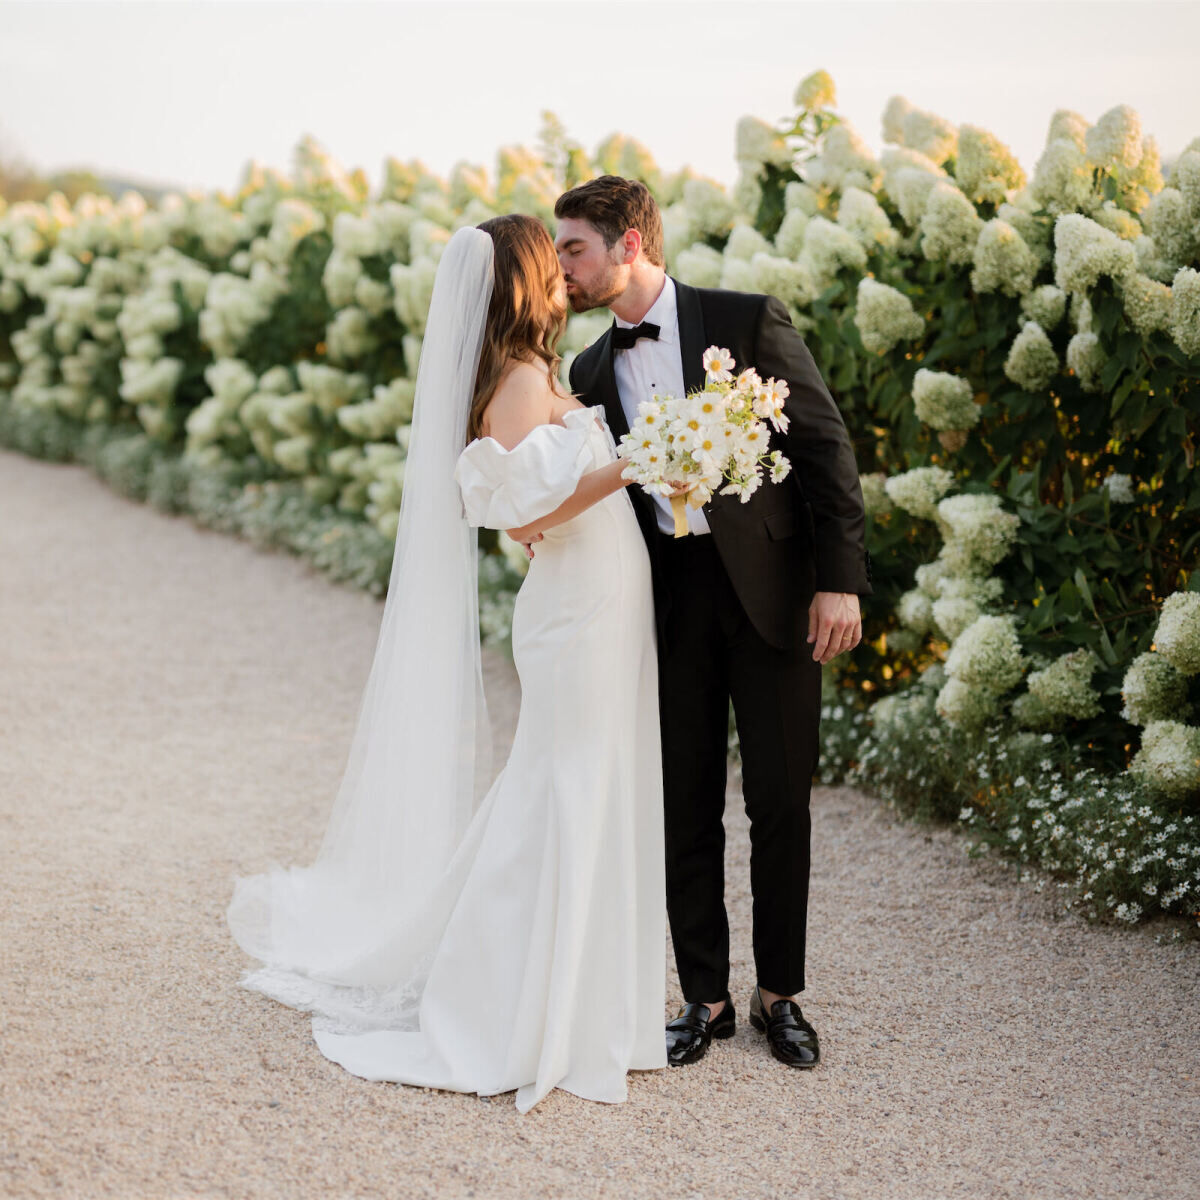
x: 175, y: 708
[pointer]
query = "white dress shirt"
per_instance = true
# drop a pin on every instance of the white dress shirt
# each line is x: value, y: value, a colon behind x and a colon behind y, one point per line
x: 651, y: 366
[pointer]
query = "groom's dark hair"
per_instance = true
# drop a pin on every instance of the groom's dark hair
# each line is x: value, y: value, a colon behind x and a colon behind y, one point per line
x: 613, y: 205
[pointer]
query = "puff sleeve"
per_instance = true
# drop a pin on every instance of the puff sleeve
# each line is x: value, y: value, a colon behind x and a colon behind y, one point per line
x: 505, y: 489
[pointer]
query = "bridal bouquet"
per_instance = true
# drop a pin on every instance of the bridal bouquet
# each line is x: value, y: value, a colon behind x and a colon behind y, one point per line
x: 708, y: 438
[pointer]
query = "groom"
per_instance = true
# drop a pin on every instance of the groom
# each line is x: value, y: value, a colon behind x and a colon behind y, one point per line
x: 748, y: 606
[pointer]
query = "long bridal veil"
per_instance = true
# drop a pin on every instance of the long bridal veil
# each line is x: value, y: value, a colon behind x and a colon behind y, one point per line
x: 349, y: 937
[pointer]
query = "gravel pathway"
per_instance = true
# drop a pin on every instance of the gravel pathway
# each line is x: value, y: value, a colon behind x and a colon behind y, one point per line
x: 175, y: 707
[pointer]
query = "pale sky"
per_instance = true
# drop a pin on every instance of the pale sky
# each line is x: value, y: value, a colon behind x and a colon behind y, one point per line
x: 184, y: 92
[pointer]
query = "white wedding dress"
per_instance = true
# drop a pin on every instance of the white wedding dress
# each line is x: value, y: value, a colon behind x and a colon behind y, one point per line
x: 542, y: 944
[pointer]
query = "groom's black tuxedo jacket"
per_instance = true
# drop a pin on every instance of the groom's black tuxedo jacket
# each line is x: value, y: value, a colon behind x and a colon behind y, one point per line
x: 790, y: 539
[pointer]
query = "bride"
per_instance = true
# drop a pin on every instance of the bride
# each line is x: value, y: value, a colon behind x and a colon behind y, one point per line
x: 456, y: 931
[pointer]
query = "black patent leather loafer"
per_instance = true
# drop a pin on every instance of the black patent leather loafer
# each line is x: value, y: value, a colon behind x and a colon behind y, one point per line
x: 689, y: 1034
x: 793, y: 1040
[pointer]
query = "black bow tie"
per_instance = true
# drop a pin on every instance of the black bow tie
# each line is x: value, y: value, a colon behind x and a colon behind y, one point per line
x: 624, y: 339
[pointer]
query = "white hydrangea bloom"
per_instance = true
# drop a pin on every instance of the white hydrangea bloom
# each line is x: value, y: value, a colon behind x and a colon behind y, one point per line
x: 978, y: 532
x: 1185, y: 311
x: 373, y: 295
x: 737, y: 275
x: 943, y: 400
x: 328, y: 387
x: 467, y: 182
x: 150, y: 383
x: 712, y: 211
x: 953, y: 613
x: 1062, y: 178
x: 884, y: 316
x: 1116, y: 139
x: 1169, y: 758
x: 1150, y: 262
x: 1084, y: 251
x: 965, y: 705
x: 757, y: 142
x: 412, y: 287
x: 827, y: 249
x: 234, y: 307
x: 1147, y: 303
x: 876, y: 501
x: 1034, y: 227
x: 357, y: 237
x: 985, y: 167
x: 1003, y: 262
x: 1176, y: 232
x: 1137, y: 185
x: 1186, y: 178
x: 950, y: 226
x: 860, y: 214
x: 789, y: 239
x: 928, y: 134
x: 844, y: 160
x: 1177, y: 637
x: 747, y: 192
x: 1065, y: 687
x: 745, y: 242
x: 1081, y: 313
x: 342, y: 272
x: 1047, y: 305
x: 896, y: 109
x: 987, y: 655
x: 1069, y: 125
x: 918, y: 491
x: 800, y: 197
x: 292, y: 221
x: 914, y: 610
x: 1031, y: 363
x: 1119, y: 488
x: 909, y: 189
x: 680, y: 230
x: 1153, y: 689
x: 774, y: 276
x: 1117, y: 220
x: 349, y: 335
x: 1086, y: 357
x: 699, y: 265
x: 816, y: 91
x: 1030, y: 713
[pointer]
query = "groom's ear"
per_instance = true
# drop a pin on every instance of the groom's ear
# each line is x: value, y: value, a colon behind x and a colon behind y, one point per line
x: 631, y: 245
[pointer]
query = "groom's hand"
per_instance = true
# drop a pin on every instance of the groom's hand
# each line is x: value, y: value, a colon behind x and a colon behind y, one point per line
x: 834, y: 624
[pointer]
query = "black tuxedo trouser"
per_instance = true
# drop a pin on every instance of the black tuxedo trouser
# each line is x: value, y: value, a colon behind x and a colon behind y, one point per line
x: 709, y: 653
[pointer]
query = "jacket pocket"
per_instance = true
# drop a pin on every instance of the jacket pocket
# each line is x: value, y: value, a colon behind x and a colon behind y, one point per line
x: 781, y: 524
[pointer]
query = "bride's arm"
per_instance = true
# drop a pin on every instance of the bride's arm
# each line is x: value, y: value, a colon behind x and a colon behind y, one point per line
x: 593, y: 487
x: 521, y: 403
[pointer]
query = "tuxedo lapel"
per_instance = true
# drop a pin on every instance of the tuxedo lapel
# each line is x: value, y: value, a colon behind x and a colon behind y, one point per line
x: 692, y: 342
x: 609, y: 396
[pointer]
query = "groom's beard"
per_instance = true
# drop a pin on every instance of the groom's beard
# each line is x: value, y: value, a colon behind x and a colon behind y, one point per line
x: 582, y: 299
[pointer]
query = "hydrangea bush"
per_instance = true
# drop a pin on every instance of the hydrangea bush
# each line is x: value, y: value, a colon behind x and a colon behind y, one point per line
x: 1016, y: 354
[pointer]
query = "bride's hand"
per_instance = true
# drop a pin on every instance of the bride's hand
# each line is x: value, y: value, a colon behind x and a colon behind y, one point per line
x: 681, y: 489
x: 527, y: 535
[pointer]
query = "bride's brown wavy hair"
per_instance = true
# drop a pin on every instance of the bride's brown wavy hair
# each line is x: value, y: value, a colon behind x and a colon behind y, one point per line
x: 526, y: 316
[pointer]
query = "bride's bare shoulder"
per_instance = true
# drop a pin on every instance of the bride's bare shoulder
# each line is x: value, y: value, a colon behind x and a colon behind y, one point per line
x: 523, y: 399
